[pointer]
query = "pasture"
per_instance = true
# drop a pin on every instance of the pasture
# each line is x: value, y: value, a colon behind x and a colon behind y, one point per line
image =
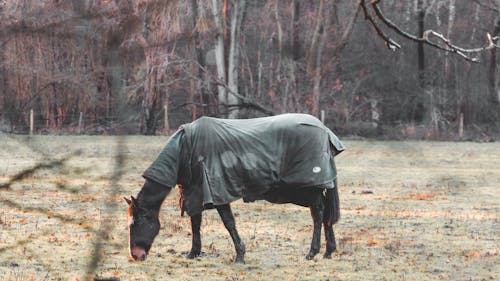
x: 409, y: 211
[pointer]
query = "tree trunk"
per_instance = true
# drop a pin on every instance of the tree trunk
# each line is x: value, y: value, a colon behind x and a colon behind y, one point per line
x: 219, y: 54
x: 234, y: 56
x: 420, y: 46
x: 151, y: 96
x: 313, y: 49
x: 295, y: 30
x: 451, y: 22
x: 418, y: 107
x: 449, y: 79
x: 199, y: 60
x: 492, y: 71
x: 292, y: 69
x: 317, y: 75
x: 280, y: 78
x: 315, y: 55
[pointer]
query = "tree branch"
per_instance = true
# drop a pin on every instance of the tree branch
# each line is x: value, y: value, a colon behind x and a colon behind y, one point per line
x: 441, y: 43
x: 245, y: 102
x: 484, y: 5
x: 389, y: 43
x: 45, y: 165
x: 347, y: 33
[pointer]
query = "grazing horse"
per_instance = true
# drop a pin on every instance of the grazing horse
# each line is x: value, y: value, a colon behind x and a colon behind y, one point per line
x: 281, y: 159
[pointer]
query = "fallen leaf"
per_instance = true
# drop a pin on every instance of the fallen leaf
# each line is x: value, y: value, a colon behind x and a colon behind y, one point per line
x: 474, y: 255
x: 371, y: 242
x: 423, y: 196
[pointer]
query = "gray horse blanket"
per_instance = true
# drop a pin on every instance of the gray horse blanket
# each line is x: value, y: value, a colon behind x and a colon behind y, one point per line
x: 218, y: 161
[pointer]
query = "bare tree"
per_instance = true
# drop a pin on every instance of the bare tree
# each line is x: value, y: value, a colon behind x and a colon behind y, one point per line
x: 119, y: 63
x: 219, y: 50
x: 226, y: 98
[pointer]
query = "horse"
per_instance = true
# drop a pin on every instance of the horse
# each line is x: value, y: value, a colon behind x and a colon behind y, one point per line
x: 282, y: 159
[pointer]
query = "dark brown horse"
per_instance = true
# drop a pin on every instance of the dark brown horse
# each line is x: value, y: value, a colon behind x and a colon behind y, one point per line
x: 282, y: 159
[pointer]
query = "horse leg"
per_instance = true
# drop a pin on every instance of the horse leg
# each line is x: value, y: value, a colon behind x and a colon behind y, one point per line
x: 317, y: 209
x: 196, y: 242
x: 228, y: 220
x: 331, y: 216
x: 329, y: 236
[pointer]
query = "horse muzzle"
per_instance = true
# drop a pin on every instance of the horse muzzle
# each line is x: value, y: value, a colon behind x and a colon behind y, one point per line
x: 138, y: 253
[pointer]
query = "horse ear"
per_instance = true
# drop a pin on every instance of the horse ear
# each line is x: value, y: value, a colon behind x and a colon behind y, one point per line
x: 127, y: 200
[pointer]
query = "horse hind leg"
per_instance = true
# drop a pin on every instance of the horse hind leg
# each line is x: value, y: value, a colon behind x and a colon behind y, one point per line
x: 196, y: 237
x: 329, y: 236
x: 228, y: 219
x: 317, y: 210
x: 331, y: 216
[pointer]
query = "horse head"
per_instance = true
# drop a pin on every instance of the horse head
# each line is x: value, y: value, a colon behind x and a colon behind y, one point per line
x: 143, y: 225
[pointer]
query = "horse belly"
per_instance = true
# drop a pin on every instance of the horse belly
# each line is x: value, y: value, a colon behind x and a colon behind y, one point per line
x: 298, y: 196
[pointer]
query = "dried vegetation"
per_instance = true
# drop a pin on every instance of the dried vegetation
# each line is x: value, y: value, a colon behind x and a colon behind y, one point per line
x: 410, y: 211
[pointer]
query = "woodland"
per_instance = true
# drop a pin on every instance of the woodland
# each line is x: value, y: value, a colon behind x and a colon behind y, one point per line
x: 75, y: 73
x: 422, y: 69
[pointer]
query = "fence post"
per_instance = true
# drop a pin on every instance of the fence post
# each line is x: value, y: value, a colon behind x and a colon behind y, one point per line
x: 32, y: 121
x: 80, y: 120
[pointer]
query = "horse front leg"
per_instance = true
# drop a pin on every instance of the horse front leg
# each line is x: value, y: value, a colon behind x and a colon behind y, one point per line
x: 317, y: 210
x: 196, y: 242
x: 228, y: 219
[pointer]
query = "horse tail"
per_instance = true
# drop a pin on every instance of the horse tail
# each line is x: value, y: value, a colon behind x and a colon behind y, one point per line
x: 333, y: 204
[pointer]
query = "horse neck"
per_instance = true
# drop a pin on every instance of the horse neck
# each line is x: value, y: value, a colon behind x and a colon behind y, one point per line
x: 152, y: 195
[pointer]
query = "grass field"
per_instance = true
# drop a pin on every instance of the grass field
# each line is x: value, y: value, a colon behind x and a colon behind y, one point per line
x: 410, y: 211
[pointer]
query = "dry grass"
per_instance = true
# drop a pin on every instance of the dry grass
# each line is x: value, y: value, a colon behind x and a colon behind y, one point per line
x: 410, y: 211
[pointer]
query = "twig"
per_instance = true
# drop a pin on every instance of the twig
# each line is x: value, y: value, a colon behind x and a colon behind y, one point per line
x: 443, y: 43
x: 494, y: 9
x: 49, y: 213
x: 245, y: 102
x: 102, y: 234
x: 389, y: 43
x: 28, y: 172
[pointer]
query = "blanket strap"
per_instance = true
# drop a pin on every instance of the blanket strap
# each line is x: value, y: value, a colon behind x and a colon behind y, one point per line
x: 181, y: 199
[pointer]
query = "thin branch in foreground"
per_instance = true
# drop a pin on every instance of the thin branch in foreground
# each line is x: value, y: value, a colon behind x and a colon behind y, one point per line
x: 442, y: 43
x: 47, y: 212
x: 45, y: 165
x: 102, y: 233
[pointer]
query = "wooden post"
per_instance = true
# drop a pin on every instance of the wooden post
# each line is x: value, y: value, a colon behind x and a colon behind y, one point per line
x: 166, y: 126
x: 323, y: 116
x: 32, y: 121
x: 80, y: 121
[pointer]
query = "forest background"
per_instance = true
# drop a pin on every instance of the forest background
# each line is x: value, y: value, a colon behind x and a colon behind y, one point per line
x: 146, y: 66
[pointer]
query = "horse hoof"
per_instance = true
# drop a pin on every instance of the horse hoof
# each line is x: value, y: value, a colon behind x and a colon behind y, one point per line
x: 310, y: 257
x: 192, y: 255
x: 239, y: 260
x: 328, y: 253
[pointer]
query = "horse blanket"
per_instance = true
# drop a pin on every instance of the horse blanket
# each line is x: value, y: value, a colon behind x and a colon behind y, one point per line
x: 218, y: 161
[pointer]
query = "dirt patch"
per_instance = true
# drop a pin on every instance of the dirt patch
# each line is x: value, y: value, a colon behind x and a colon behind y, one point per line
x: 431, y: 213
